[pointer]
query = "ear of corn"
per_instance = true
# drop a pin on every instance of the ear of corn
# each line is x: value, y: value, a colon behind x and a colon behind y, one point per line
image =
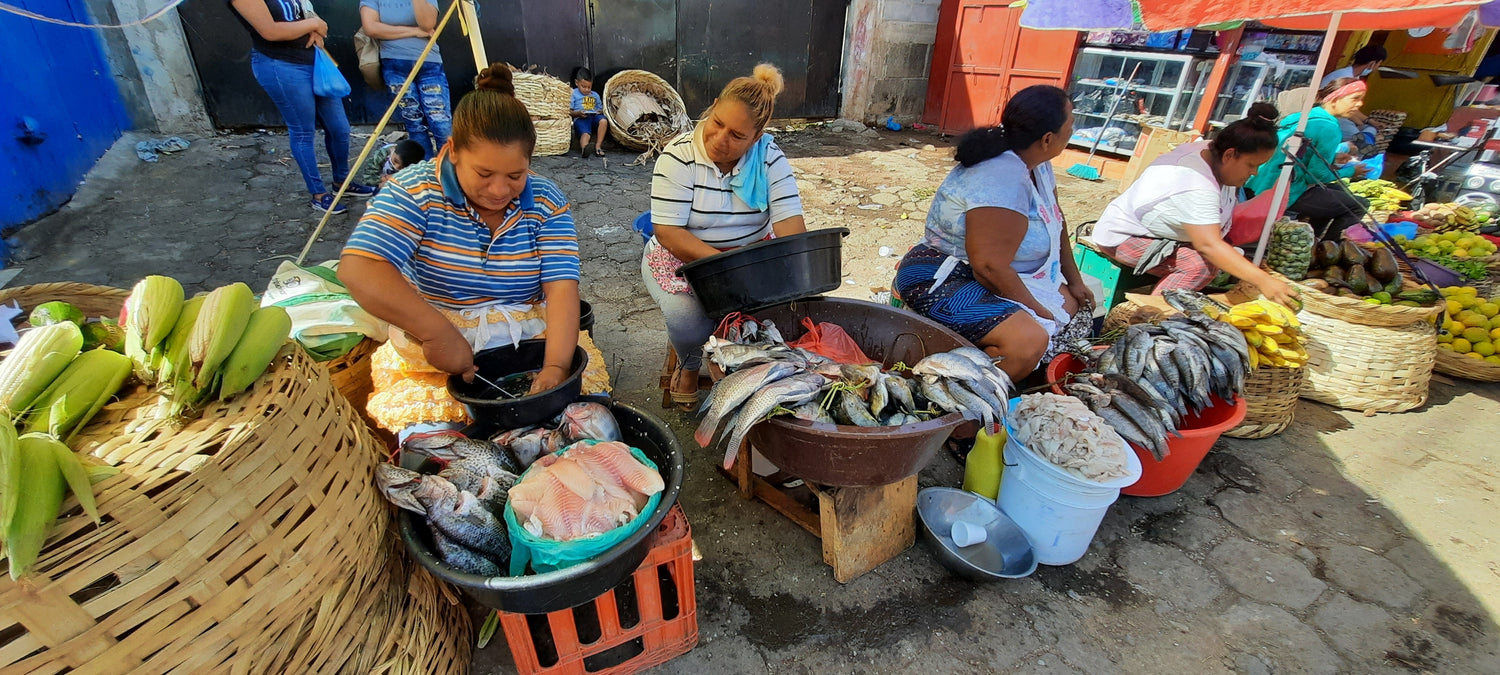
x: 80, y: 391
x: 10, y: 472
x: 75, y: 475
x: 148, y: 317
x: 40, y: 356
x: 220, y: 323
x: 40, y: 499
x: 264, y: 334
x: 171, y: 356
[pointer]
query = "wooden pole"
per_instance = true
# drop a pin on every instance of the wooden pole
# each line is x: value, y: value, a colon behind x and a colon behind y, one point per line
x: 470, y: 21
x: 1229, y: 47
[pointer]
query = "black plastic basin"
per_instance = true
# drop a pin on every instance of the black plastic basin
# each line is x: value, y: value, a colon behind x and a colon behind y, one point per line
x: 510, y: 413
x: 585, y: 317
x: 769, y: 272
x: 574, y: 586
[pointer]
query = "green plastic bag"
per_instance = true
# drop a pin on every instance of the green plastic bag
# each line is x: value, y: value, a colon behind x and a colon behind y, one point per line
x: 546, y: 555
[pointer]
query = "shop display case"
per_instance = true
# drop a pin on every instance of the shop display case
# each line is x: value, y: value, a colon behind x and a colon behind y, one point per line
x: 1158, y: 95
x: 1252, y: 81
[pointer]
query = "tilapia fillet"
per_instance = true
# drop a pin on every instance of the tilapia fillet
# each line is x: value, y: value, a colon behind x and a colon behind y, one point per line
x: 589, y: 490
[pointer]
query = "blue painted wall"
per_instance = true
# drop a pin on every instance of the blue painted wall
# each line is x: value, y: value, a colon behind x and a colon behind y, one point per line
x: 57, y: 78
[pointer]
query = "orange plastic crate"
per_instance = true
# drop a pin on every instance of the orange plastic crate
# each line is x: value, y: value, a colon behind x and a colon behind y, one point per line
x: 649, y: 619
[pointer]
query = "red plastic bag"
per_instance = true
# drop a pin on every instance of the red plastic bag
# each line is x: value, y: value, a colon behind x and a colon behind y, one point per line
x: 830, y: 340
x: 1249, y: 219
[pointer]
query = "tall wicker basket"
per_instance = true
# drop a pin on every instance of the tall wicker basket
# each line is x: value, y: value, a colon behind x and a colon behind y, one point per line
x: 251, y: 539
x: 1270, y: 401
x: 548, y: 100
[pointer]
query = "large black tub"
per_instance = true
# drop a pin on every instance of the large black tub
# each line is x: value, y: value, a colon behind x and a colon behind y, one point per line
x: 769, y: 272
x: 486, y: 406
x: 553, y: 591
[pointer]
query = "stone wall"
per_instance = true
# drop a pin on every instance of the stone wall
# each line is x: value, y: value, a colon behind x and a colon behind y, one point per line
x: 152, y: 67
x: 887, y: 58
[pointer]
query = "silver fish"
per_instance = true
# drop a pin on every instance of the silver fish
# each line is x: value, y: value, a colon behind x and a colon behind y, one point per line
x: 850, y: 410
x: 462, y: 558
x: 880, y: 396
x: 973, y: 406
x: 812, y: 412
x: 735, y: 389
x: 933, y: 389
x: 1123, y: 426
x: 732, y: 356
x: 470, y: 475
x: 464, y: 519
x: 790, y: 391
x: 400, y: 486
x: 456, y: 446
x: 900, y: 390
x: 998, y: 404
x: 986, y: 365
x: 859, y: 375
x: 531, y: 445
x: 1161, y: 352
x: 772, y: 335
x: 1137, y: 350
x: 590, y: 421
x: 949, y: 365
x: 1147, y: 422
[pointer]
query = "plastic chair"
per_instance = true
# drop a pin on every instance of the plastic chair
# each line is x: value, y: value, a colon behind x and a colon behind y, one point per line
x: 643, y: 226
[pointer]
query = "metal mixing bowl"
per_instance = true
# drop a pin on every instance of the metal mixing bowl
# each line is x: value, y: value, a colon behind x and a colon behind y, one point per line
x: 1004, y: 554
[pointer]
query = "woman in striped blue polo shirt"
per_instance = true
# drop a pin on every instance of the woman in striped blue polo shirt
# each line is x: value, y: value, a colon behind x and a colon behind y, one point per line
x: 721, y: 186
x: 464, y: 252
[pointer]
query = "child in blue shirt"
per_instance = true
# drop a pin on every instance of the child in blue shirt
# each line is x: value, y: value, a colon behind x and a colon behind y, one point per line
x: 588, y: 114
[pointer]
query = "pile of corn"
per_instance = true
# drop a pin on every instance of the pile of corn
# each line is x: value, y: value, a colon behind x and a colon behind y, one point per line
x: 50, y: 388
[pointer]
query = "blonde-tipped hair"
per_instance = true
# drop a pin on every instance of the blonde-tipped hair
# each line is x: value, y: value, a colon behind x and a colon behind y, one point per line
x: 758, y: 92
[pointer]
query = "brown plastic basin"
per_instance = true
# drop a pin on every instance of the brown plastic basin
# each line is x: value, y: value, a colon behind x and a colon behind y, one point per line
x: 850, y: 456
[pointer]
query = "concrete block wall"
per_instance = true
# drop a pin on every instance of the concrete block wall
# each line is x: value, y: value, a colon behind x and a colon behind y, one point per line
x: 887, y: 58
x: 152, y: 67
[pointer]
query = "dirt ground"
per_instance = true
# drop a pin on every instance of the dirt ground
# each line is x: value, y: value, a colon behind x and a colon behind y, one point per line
x: 1346, y: 544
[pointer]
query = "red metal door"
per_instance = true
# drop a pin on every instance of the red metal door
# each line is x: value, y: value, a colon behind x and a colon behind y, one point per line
x: 982, y: 55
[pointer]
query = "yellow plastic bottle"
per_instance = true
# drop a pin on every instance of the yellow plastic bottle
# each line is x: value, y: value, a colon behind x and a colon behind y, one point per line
x: 983, y: 466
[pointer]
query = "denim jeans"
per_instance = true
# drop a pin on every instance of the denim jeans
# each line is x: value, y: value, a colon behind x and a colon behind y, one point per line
x: 688, y: 327
x: 425, y: 107
x: 290, y: 87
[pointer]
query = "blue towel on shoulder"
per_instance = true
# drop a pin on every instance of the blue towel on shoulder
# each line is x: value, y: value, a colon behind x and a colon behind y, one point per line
x: 753, y: 185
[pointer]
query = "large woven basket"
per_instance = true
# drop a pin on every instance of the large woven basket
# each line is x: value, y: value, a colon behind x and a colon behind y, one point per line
x: 92, y: 300
x: 251, y: 539
x: 553, y: 137
x: 548, y: 99
x: 1369, y: 368
x: 1359, y: 311
x: 1270, y: 401
x: 640, y: 80
x: 1459, y: 365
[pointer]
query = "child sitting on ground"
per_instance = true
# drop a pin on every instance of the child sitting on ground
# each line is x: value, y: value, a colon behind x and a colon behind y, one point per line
x: 588, y: 114
x: 386, y: 160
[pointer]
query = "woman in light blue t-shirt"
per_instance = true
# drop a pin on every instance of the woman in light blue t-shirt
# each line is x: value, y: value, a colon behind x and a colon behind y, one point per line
x: 994, y: 263
x: 403, y: 27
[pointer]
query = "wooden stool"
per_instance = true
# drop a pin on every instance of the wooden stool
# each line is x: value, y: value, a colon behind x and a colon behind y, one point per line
x: 861, y: 528
x: 704, y: 381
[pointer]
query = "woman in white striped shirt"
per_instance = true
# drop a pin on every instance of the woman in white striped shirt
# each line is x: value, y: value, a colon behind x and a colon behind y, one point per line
x: 719, y: 187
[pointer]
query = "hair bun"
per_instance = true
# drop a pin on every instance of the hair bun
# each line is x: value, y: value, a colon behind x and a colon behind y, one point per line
x: 771, y: 76
x: 1262, y: 115
x: 498, y: 78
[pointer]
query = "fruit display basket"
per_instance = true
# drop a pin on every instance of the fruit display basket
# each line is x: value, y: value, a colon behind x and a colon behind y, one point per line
x: 1465, y: 367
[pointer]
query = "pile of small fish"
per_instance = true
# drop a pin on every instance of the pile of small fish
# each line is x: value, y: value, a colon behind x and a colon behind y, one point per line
x: 1062, y: 431
x: 768, y: 377
x: 1149, y: 379
x: 464, y: 502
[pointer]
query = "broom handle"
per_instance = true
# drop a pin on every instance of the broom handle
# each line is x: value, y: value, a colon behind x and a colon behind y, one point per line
x: 1119, y: 96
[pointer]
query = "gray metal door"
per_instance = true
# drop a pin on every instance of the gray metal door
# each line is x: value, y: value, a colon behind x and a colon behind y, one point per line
x: 718, y: 41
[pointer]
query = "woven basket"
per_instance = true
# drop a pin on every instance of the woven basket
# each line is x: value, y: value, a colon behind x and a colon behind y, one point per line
x: 546, y: 97
x: 553, y: 137
x: 1370, y: 368
x: 1270, y: 401
x: 1359, y: 311
x: 1458, y: 365
x: 90, y: 299
x: 251, y: 539
x: 640, y: 80
x: 351, y: 374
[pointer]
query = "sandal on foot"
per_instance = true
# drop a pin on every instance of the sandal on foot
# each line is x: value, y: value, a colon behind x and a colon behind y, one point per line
x: 683, y: 400
x: 598, y: 152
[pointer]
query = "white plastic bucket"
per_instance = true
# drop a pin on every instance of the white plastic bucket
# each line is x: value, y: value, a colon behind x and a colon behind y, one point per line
x: 1058, y: 511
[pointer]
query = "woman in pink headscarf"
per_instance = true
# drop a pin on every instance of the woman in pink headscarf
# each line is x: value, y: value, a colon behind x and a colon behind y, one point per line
x: 1313, y: 194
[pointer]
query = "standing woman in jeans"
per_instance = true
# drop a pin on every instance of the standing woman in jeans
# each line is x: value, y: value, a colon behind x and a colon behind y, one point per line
x: 402, y: 27
x: 283, y: 37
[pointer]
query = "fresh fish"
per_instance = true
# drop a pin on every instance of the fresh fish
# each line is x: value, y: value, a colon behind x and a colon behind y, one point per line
x: 400, y: 486
x: 451, y: 446
x: 735, y: 389
x: 849, y: 409
x: 587, y: 490
x: 1195, y: 372
x: 505, y: 438
x: 772, y: 334
x: 462, y: 558
x: 933, y: 389
x: 996, y: 403
x: 880, y: 396
x: 812, y: 412
x: 531, y: 445
x: 793, y: 390
x: 1161, y: 353
x: 732, y: 356
x: 900, y: 391
x: 986, y: 365
x: 949, y: 365
x: 859, y: 375
x: 1112, y: 359
x: 1123, y: 426
x: 973, y: 406
x: 590, y: 421
x: 1137, y: 350
x: 464, y: 519
x: 469, y: 475
x: 1147, y: 422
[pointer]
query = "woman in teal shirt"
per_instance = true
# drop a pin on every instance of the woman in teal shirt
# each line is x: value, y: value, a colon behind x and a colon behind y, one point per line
x: 1313, y: 194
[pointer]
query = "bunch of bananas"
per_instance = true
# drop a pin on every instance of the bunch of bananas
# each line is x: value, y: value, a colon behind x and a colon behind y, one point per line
x: 1383, y: 194
x: 1272, y: 332
x: 1450, y: 218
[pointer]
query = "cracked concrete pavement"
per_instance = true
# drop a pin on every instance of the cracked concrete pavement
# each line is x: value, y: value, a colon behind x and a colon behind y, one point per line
x: 1346, y: 544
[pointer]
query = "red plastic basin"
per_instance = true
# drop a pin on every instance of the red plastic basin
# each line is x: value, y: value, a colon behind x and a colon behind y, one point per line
x: 1199, y: 433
